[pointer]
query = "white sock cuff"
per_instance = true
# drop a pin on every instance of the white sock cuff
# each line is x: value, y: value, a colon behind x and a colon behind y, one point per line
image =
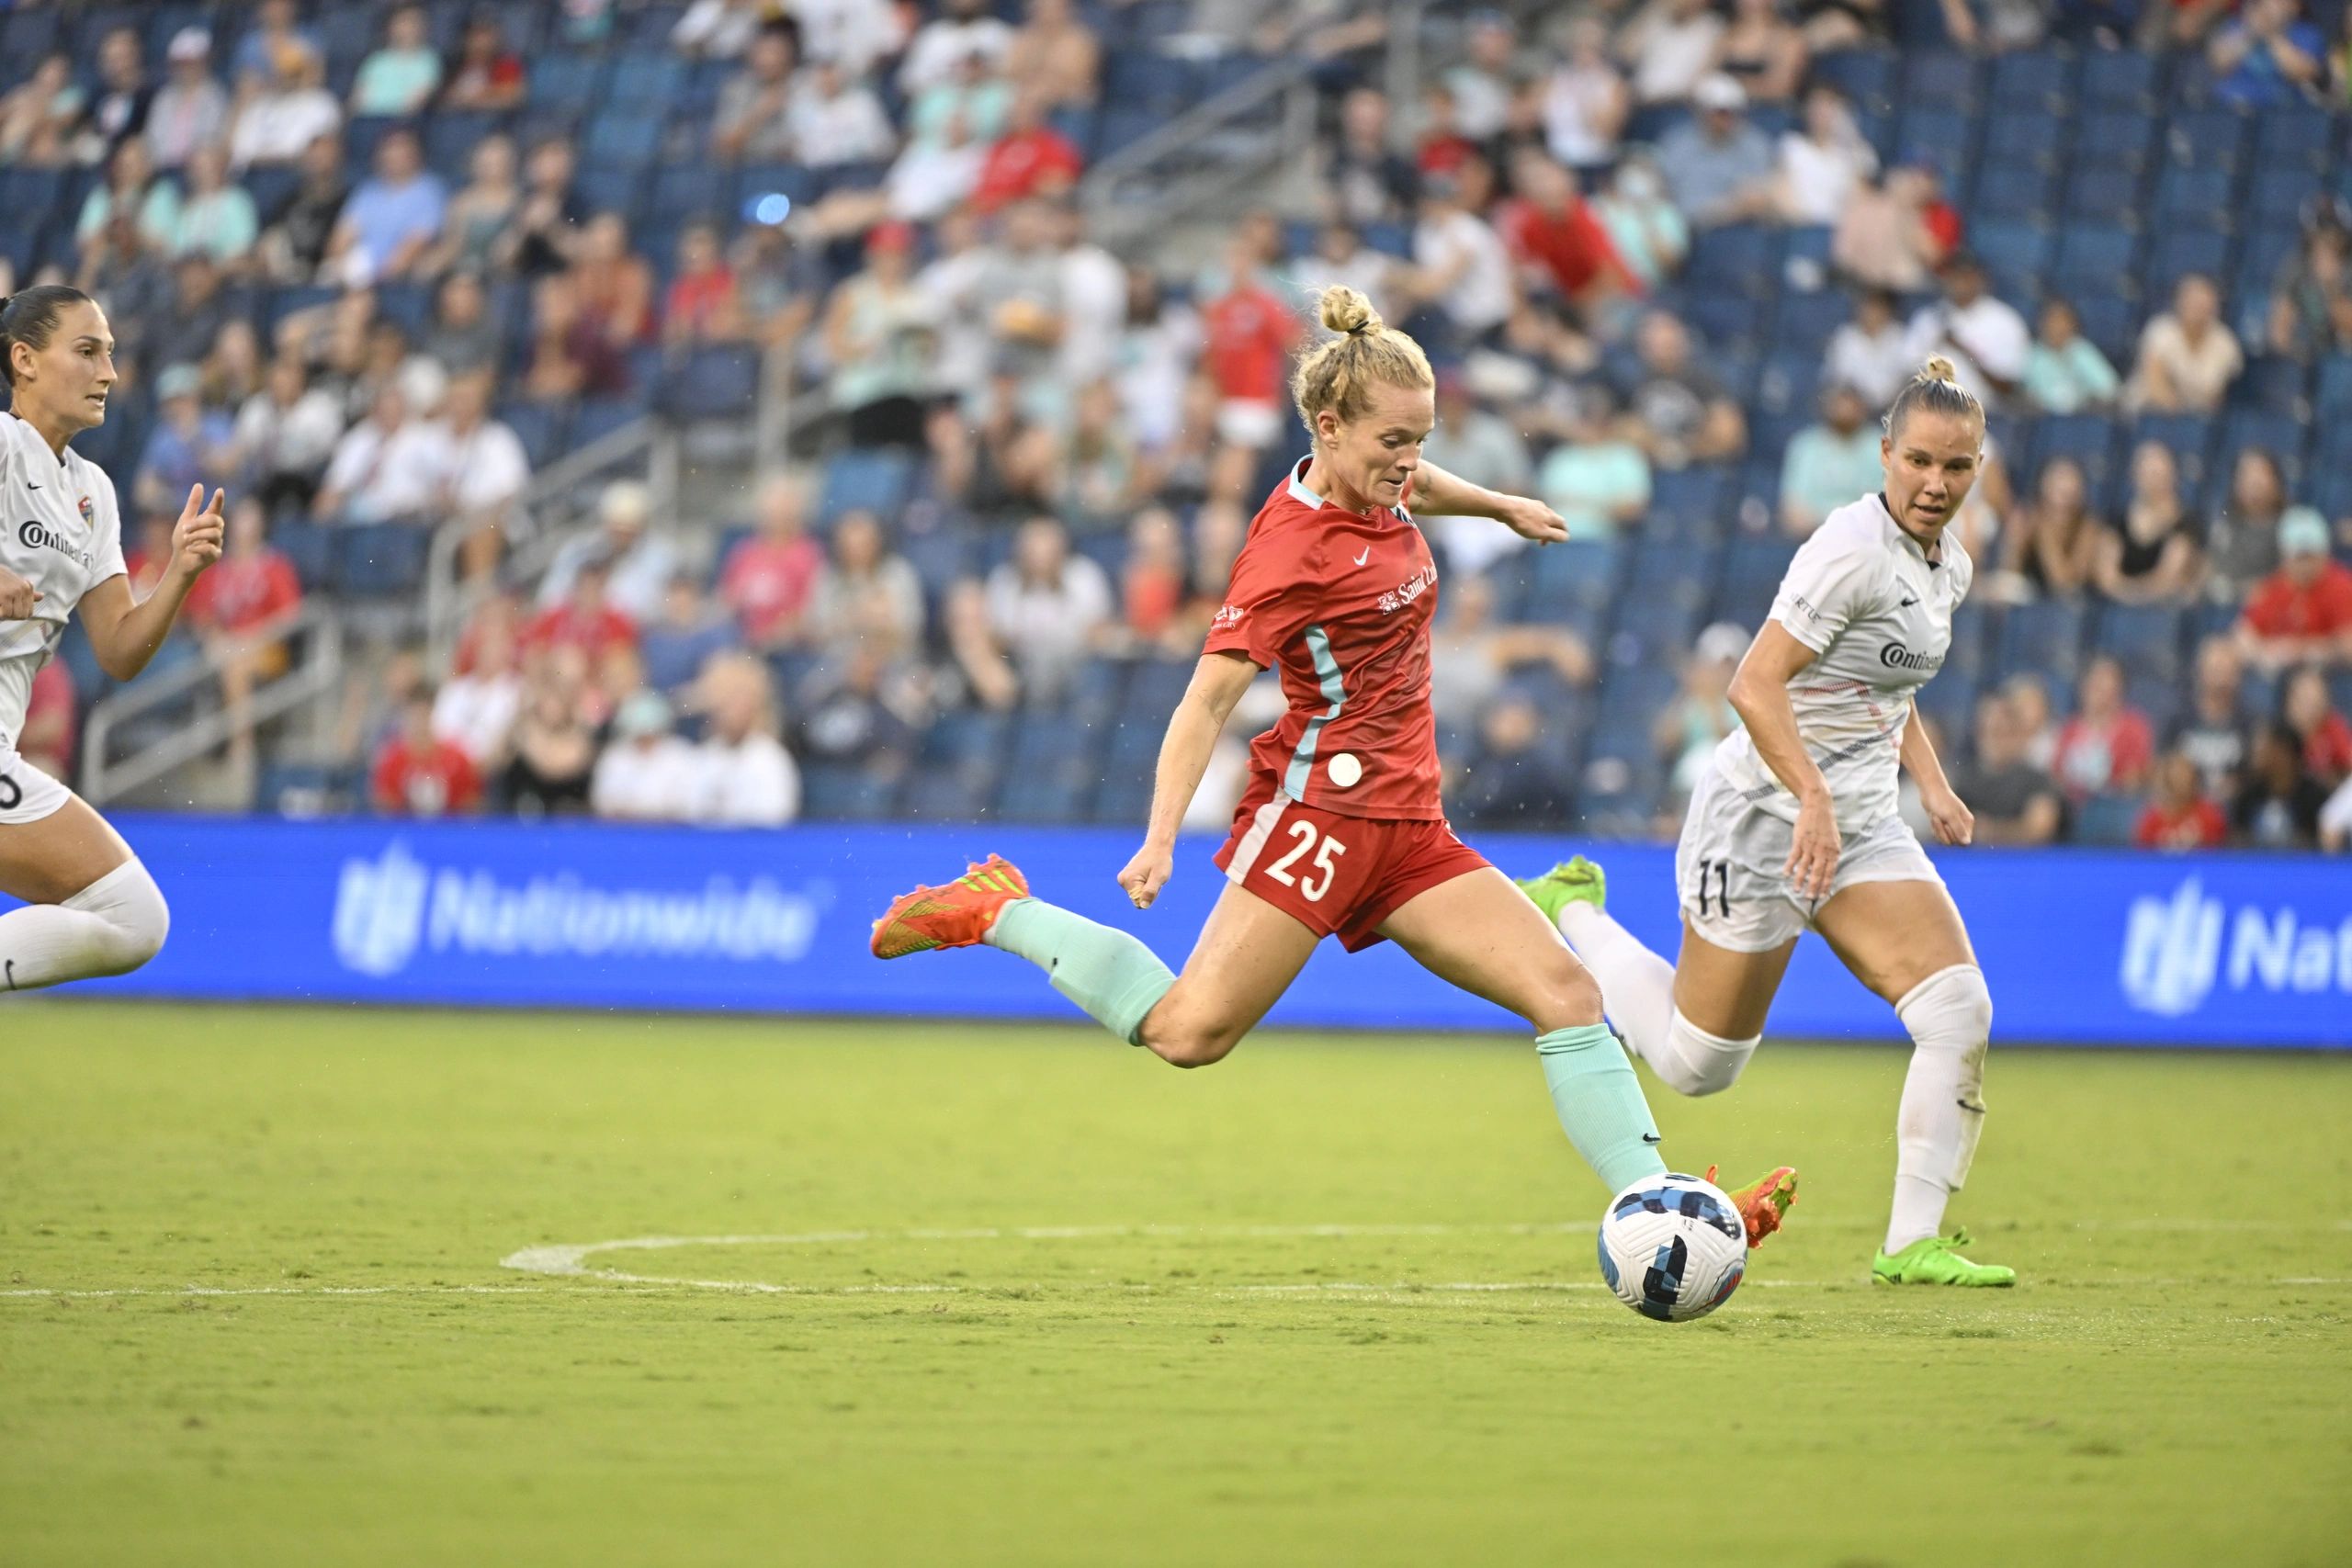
x: 1684, y: 1027
x: 106, y: 893
x: 1937, y: 980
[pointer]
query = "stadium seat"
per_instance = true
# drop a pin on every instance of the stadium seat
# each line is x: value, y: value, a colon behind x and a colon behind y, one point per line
x: 2273, y: 385
x: 2045, y: 636
x: 2281, y: 434
x: 309, y: 548
x: 1753, y: 567
x: 25, y: 34
x: 933, y: 796
x: 1806, y: 320
x: 720, y: 382
x: 1939, y: 81
x: 624, y: 139
x: 879, y: 482
x: 2107, y: 819
x: 538, y: 426
x: 2015, y: 252
x: 2030, y: 82
x: 450, y: 138
x: 2295, y: 136
x: 1736, y: 258
x: 2093, y: 257
x: 2335, y: 396
x: 2206, y: 139
x: 2111, y: 139
x: 1938, y: 139
x: 1865, y: 76
x: 2148, y: 638
x: 1690, y: 503
x: 2196, y: 196
x: 2104, y: 193
x: 839, y: 792
x: 641, y: 82
x: 379, y: 560
x: 2121, y: 79
x: 2181, y: 246
x: 2025, y: 190
x: 566, y: 84
x: 2280, y: 193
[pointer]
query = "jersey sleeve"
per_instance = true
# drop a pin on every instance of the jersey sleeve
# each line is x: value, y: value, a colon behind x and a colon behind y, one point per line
x: 107, y: 560
x: 1831, y: 583
x: 1268, y: 603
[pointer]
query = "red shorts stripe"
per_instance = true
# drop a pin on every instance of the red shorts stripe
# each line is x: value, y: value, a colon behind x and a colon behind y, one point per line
x: 1337, y: 875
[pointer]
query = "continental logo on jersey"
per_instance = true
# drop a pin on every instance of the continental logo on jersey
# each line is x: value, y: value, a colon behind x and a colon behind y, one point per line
x: 1409, y: 590
x: 1895, y: 656
x: 34, y: 536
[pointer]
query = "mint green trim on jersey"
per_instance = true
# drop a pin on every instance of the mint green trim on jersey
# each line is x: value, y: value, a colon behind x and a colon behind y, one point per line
x: 1327, y: 673
x: 1298, y: 492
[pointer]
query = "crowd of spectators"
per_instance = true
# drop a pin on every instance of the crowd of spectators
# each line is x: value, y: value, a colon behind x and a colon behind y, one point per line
x: 1081, y: 440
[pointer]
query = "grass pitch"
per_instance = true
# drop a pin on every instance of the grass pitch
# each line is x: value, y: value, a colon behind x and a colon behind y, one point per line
x: 1036, y: 1299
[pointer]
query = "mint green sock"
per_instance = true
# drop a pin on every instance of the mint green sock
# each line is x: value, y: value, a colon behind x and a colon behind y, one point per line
x: 1114, y: 977
x: 1600, y: 1104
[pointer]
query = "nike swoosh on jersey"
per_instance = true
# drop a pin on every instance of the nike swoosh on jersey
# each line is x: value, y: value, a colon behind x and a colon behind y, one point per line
x: 1909, y: 602
x: 1366, y: 556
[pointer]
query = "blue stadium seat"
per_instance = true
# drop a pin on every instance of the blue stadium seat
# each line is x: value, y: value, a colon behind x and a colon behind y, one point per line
x: 2025, y: 190
x: 380, y: 560
x: 2045, y: 636
x: 2029, y: 81
x: 610, y: 187
x: 2122, y: 79
x: 538, y: 426
x: 1738, y: 258
x: 2112, y: 322
x: 840, y: 791
x: 1753, y: 567
x: 717, y: 383
x: 2096, y: 256
x: 625, y: 137
x: 683, y: 192
x: 2206, y: 139
x: 2182, y: 246
x: 1939, y: 81
x: 1728, y: 323
x: 2295, y: 136
x: 2104, y: 193
x: 2190, y: 437
x: 2016, y: 254
x: 31, y: 196
x: 2280, y: 193
x: 2335, y: 396
x: 1582, y: 573
x: 2200, y: 197
x: 1122, y: 126
x: 599, y: 417
x: 2148, y: 638
x: 309, y: 548
x: 2107, y: 819
x: 879, y: 482
x: 1939, y: 139
x: 408, y: 306
x: 2114, y: 139
x: 2273, y: 385
x: 645, y: 81
x: 2281, y: 434
x: 450, y: 138
x: 1865, y: 76
x: 566, y: 84
x: 25, y: 34
x: 1149, y: 79
x: 1690, y: 503
x: 933, y: 796
x: 941, y: 557
x: 1805, y: 321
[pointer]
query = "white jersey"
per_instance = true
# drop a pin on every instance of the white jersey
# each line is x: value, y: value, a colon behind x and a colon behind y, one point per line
x: 1877, y: 613
x: 62, y: 532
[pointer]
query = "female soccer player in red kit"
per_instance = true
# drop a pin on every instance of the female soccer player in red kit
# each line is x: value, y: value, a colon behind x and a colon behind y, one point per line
x: 1340, y: 832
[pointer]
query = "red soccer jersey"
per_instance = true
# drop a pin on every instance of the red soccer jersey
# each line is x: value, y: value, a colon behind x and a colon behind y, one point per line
x: 1339, y: 602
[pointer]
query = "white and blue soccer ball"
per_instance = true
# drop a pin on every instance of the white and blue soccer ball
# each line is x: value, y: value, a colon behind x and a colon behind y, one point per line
x: 1673, y: 1248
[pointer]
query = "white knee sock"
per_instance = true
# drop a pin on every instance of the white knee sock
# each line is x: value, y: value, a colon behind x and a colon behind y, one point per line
x: 111, y: 927
x: 1950, y: 1015
x: 1636, y: 984
x: 1693, y: 1061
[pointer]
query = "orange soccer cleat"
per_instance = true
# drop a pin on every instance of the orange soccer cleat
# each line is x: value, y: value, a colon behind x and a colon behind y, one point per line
x: 1762, y: 1204
x: 957, y: 915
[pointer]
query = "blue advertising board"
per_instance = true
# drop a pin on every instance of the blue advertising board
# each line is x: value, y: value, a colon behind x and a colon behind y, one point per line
x: 2079, y: 946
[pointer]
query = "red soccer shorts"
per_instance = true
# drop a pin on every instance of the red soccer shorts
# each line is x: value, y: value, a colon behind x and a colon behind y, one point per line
x: 1337, y: 875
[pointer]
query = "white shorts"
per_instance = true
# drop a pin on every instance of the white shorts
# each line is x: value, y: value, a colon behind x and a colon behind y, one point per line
x: 26, y: 794
x: 1728, y: 868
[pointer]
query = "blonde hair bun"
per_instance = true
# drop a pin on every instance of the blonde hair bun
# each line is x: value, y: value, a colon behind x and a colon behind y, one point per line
x: 1345, y: 309
x: 1937, y: 368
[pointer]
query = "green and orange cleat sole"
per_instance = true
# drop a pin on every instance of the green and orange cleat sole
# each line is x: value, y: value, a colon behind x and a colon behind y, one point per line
x: 956, y: 914
x: 1765, y: 1202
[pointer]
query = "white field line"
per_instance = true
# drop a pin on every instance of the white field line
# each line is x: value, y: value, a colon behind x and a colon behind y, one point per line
x: 569, y: 1260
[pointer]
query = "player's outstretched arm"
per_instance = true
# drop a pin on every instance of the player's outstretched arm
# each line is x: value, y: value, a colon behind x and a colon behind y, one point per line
x: 1953, y: 822
x: 125, y: 632
x: 1759, y: 695
x: 1218, y: 682
x: 1441, y: 494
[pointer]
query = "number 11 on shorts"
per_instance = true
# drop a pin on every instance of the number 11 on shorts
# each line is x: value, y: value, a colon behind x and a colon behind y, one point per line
x: 1722, y: 872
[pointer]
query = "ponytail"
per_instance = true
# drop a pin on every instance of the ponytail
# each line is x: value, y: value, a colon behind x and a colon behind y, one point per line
x: 1341, y: 374
x: 1935, y: 388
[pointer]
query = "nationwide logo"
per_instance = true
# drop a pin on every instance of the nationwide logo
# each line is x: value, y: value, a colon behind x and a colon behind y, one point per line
x: 2177, y: 949
x: 388, y: 909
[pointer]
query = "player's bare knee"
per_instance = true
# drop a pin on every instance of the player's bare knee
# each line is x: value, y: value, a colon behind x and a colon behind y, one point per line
x: 1199, y: 1047
x: 1571, y: 997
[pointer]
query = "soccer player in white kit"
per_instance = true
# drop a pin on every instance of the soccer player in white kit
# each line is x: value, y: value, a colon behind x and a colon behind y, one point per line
x: 90, y: 908
x: 1793, y: 825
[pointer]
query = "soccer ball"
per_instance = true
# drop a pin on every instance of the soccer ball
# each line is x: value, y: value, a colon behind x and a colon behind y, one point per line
x: 1673, y: 1248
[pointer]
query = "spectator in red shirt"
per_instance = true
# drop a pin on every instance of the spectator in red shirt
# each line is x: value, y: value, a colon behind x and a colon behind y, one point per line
x: 2306, y: 709
x: 2302, y: 611
x: 2180, y: 817
x: 767, y: 579
x: 1556, y: 239
x: 1031, y: 159
x: 1250, y: 332
x: 251, y: 586
x: 1444, y: 149
x: 701, y: 305
x: 2108, y: 744
x: 419, y: 774
x: 585, y: 619
x: 485, y: 73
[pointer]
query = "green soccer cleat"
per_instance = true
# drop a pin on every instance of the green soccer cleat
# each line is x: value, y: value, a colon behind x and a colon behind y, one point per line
x: 1577, y: 881
x: 1936, y: 1260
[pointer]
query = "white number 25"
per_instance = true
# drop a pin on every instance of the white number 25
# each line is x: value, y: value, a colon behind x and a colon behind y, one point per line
x: 1317, y: 885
